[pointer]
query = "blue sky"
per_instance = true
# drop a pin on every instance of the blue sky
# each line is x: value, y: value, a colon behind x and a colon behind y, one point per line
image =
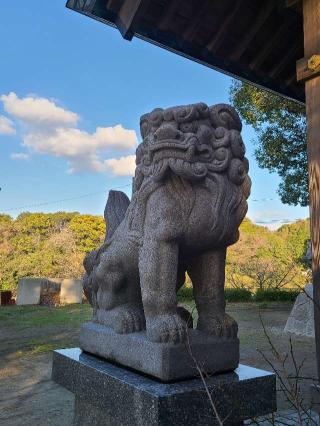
x: 71, y: 94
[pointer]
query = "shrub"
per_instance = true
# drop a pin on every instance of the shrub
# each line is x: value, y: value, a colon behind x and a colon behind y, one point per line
x: 231, y: 294
x: 276, y: 295
x: 185, y: 294
x: 238, y: 295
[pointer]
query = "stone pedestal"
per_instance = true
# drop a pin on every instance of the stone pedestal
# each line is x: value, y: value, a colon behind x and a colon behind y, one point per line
x: 111, y: 395
x: 167, y: 362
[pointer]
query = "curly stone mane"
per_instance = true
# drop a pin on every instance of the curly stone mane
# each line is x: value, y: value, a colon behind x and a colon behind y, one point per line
x: 197, y: 143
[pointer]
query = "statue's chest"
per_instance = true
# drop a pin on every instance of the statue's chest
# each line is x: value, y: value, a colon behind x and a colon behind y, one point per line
x: 190, y: 204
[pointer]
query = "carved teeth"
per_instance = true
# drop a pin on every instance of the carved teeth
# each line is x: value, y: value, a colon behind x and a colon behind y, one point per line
x: 190, y: 153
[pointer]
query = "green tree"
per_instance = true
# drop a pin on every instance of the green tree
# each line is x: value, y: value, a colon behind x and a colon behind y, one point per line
x: 280, y: 127
x: 89, y: 231
x: 268, y: 260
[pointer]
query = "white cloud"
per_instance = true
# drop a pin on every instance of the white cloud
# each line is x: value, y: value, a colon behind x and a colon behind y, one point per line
x: 123, y: 166
x: 51, y: 130
x: 272, y: 219
x: 19, y: 156
x: 6, y: 126
x: 38, y: 111
x: 84, y: 151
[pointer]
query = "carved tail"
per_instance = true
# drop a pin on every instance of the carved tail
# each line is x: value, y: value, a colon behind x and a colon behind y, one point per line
x: 115, y: 211
x: 114, y: 214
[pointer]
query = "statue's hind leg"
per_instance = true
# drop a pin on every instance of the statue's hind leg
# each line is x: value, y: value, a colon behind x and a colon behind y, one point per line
x: 207, y: 272
x: 118, y: 297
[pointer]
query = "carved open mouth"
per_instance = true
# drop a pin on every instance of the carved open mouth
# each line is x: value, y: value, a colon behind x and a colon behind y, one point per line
x: 169, y: 144
x: 190, y: 150
x: 181, y: 167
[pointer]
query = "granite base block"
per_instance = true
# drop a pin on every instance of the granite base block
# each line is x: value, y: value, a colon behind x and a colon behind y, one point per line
x: 107, y: 394
x: 167, y: 362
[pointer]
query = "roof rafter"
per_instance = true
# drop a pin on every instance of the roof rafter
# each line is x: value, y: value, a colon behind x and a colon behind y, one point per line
x: 263, y: 15
x: 265, y: 52
x: 219, y: 36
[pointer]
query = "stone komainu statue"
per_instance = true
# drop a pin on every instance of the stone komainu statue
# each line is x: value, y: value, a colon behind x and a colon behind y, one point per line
x: 189, y: 198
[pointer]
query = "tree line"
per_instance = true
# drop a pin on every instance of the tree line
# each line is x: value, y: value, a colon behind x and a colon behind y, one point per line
x: 54, y: 245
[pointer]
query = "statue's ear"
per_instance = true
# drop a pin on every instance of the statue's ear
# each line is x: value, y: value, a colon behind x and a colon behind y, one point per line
x: 224, y: 115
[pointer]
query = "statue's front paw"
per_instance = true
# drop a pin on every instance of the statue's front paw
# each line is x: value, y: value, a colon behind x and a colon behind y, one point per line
x: 129, y: 320
x: 123, y: 319
x: 167, y: 329
x: 220, y: 325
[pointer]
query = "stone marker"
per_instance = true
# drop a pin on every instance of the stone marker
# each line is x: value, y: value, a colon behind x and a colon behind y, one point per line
x: 29, y: 290
x: 301, y: 319
x: 71, y: 291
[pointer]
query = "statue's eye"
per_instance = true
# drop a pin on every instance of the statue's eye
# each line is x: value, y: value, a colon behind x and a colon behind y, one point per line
x: 220, y: 154
x: 220, y: 132
x: 187, y: 127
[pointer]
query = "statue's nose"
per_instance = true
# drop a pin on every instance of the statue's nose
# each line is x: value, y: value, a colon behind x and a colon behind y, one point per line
x: 167, y: 132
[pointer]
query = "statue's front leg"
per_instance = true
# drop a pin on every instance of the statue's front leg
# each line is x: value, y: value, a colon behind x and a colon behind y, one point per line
x: 158, y: 262
x: 207, y: 272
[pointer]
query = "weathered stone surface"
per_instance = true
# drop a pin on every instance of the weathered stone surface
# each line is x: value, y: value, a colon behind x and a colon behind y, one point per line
x: 108, y: 394
x: 29, y: 290
x: 301, y: 319
x: 71, y: 291
x: 167, y: 362
x: 189, y: 198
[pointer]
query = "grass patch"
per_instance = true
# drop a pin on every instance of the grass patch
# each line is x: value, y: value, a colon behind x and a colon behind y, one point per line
x: 21, y: 317
x: 38, y: 347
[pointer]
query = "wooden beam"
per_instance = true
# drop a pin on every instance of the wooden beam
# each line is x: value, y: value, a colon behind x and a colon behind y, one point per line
x: 174, y: 6
x: 290, y: 3
x: 200, y: 11
x: 128, y: 16
x: 285, y: 60
x: 114, y: 5
x: 83, y: 5
x: 225, y: 26
x: 255, y: 26
x: 268, y: 48
x: 291, y: 79
x: 308, y: 67
x: 311, y: 27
